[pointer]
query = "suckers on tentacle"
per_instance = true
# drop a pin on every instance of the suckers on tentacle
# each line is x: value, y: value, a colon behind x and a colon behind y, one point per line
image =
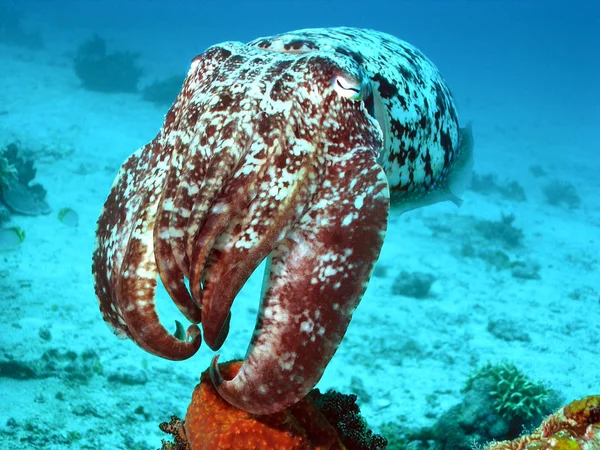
x: 289, y: 147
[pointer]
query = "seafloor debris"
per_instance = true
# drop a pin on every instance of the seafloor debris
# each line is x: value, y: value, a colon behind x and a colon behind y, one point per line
x: 413, y: 284
x: 66, y: 364
x: 507, y: 330
x: 501, y: 232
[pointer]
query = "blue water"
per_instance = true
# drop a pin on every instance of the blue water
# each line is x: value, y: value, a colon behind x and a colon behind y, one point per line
x: 524, y: 73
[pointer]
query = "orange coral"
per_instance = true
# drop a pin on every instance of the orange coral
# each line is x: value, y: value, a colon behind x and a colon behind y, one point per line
x: 574, y: 427
x: 212, y: 423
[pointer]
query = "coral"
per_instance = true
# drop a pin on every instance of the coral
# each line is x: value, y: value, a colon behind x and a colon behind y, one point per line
x: 175, y: 428
x: 18, y: 193
x: 573, y: 427
x: 494, y: 243
x: 397, y: 434
x: 498, y: 402
x: 212, y: 423
x: 4, y: 214
x: 380, y: 270
x: 342, y: 411
x: 501, y: 231
x: 484, y: 184
x: 106, y: 72
x: 163, y: 92
x: 561, y: 193
x: 8, y: 172
x: 470, y: 421
x: 488, y: 184
x: 514, y: 394
x: 415, y: 285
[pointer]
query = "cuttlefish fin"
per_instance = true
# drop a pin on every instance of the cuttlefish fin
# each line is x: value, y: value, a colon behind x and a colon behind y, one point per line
x: 452, y: 187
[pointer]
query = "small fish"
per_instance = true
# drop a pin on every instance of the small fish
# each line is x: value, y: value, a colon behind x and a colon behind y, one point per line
x: 68, y: 217
x: 11, y: 238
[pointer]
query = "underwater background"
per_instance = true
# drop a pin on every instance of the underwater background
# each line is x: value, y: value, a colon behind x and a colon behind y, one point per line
x: 504, y: 289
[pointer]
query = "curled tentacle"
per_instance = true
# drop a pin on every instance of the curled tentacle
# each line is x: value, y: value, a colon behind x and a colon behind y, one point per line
x: 245, y: 239
x: 126, y: 269
x: 317, y: 276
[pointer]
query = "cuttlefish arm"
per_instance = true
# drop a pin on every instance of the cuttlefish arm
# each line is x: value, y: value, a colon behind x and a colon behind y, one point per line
x: 318, y: 275
x: 138, y: 227
x: 124, y: 260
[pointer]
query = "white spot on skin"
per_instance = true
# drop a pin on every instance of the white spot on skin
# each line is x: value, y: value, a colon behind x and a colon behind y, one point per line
x: 358, y: 201
x: 276, y: 313
x: 174, y: 233
x: 329, y: 271
x: 307, y: 326
x: 286, y: 361
x: 347, y: 221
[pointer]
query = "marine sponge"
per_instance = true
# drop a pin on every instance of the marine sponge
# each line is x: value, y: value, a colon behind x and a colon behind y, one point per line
x: 514, y: 394
x: 330, y: 421
x: 212, y: 423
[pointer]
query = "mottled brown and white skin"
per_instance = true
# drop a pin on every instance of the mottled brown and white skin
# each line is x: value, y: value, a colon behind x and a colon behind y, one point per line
x: 289, y: 148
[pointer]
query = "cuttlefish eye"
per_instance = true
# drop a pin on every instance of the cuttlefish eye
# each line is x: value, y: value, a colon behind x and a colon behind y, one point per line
x: 354, y: 90
x: 348, y: 88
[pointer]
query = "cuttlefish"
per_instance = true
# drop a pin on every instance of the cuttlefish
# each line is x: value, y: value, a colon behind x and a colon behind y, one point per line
x: 290, y: 148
